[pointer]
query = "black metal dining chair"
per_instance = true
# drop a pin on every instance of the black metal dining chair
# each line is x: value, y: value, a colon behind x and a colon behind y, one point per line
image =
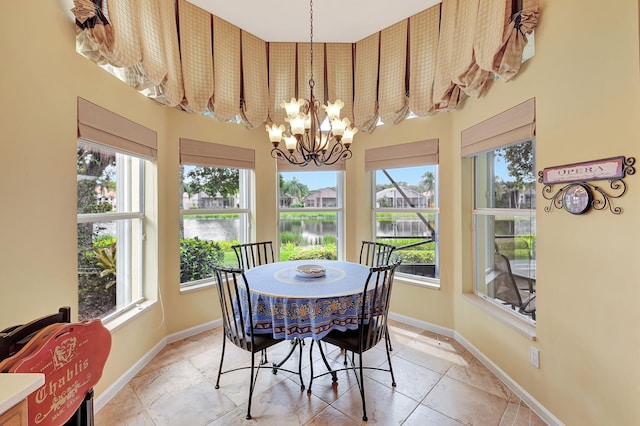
x: 237, y: 322
x: 250, y: 255
x: 373, y: 253
x: 372, y: 328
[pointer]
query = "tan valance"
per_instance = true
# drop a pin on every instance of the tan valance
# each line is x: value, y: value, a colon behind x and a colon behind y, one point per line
x: 216, y: 155
x: 282, y: 78
x: 424, y: 64
x: 104, y: 127
x: 365, y: 107
x: 514, y: 125
x: 393, y: 102
x: 197, y: 63
x: 226, y: 98
x: 403, y: 155
x: 423, y: 44
x: 255, y: 89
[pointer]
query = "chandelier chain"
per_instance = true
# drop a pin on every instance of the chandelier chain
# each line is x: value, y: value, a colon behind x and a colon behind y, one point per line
x: 311, y: 81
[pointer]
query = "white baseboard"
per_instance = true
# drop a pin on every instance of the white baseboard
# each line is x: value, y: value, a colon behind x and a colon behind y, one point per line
x: 533, y: 403
x: 102, y: 400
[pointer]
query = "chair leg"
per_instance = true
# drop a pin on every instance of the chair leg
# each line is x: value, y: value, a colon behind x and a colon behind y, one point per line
x: 294, y: 343
x: 361, y: 383
x: 224, y: 341
x: 393, y: 379
x: 334, y: 375
x: 251, y: 386
x: 388, y: 340
x: 313, y: 341
x: 300, y: 366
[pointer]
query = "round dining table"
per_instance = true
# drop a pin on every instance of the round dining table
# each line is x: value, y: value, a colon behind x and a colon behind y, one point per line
x: 290, y: 304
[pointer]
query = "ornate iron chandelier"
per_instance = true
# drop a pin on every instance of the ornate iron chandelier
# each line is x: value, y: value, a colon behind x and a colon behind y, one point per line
x: 303, y: 138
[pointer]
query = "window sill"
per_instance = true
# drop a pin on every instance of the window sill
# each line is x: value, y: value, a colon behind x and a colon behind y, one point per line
x: 120, y: 320
x: 197, y: 287
x: 519, y: 325
x: 430, y: 283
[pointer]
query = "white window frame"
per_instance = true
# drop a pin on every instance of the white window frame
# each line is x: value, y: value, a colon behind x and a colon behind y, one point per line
x: 130, y: 273
x: 416, y: 279
x: 245, y: 184
x: 487, y: 245
x: 339, y: 210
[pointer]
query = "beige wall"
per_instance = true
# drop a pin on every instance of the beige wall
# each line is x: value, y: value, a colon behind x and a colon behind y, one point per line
x: 585, y: 81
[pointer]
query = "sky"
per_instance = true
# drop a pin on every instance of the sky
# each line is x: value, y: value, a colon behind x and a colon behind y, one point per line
x: 411, y: 175
x: 315, y: 180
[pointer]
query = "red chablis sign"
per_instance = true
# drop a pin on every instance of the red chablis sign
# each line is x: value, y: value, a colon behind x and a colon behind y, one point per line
x: 72, y: 357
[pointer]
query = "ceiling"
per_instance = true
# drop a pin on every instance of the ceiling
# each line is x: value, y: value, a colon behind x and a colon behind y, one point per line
x: 288, y: 20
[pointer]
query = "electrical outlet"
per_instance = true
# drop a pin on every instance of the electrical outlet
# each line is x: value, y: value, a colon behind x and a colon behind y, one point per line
x: 534, y: 357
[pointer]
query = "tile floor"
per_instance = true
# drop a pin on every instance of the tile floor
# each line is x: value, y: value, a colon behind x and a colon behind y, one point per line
x: 438, y: 383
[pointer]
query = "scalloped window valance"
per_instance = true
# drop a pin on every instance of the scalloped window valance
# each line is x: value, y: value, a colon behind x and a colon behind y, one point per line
x: 182, y: 56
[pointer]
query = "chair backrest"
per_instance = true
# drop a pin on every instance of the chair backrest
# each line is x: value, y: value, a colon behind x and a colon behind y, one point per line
x: 505, y: 285
x: 375, y: 254
x: 235, y: 305
x: 250, y: 255
x: 375, y: 304
x: 12, y: 339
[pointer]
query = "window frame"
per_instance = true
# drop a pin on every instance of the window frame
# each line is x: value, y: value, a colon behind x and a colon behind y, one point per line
x: 130, y: 287
x: 246, y: 179
x: 414, y: 278
x: 486, y: 244
x: 338, y: 209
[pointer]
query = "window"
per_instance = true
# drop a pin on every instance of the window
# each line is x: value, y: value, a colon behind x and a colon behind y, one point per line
x: 111, y: 223
x: 505, y: 227
x: 214, y: 215
x: 405, y: 205
x: 215, y: 188
x: 405, y: 214
x: 116, y: 183
x: 310, y: 212
x: 504, y: 223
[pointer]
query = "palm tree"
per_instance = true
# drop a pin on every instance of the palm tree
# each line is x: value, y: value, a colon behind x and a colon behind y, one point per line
x: 296, y: 189
x: 427, y: 182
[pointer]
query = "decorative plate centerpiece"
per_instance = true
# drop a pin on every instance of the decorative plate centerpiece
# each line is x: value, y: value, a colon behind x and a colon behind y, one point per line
x: 311, y: 271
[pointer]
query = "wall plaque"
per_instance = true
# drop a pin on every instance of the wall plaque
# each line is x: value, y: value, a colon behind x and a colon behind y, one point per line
x: 609, y: 168
x: 577, y: 195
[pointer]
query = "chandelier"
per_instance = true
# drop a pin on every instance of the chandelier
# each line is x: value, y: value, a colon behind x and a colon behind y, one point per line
x: 304, y: 139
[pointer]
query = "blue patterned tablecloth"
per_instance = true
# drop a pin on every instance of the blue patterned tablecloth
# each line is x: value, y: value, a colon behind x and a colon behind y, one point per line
x: 291, y: 306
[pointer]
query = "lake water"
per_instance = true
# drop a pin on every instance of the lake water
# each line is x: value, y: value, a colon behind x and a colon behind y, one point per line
x: 226, y: 229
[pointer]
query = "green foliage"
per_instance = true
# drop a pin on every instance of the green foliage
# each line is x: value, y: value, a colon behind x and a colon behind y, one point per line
x: 106, y: 260
x: 519, y: 247
x: 329, y: 240
x: 519, y: 160
x: 295, y: 188
x: 416, y: 256
x: 198, y: 257
x: 213, y: 181
x: 292, y: 238
x: 317, y: 252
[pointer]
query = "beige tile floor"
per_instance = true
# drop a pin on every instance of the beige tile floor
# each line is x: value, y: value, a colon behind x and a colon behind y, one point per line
x: 438, y: 383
